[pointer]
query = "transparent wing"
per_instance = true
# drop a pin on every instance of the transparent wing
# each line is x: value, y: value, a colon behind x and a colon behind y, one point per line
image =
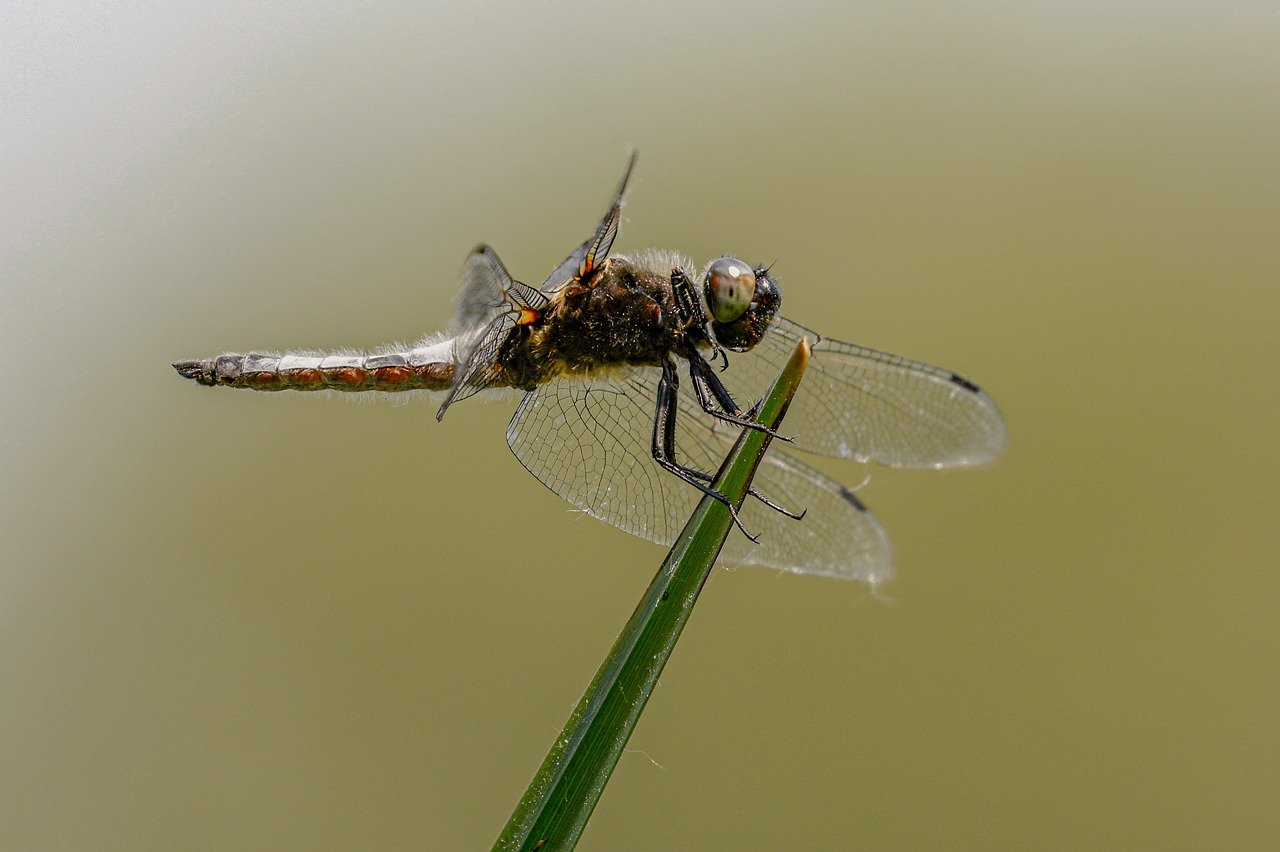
x: 488, y: 305
x: 482, y: 296
x: 838, y: 537
x: 593, y: 252
x: 591, y: 444
x: 867, y: 405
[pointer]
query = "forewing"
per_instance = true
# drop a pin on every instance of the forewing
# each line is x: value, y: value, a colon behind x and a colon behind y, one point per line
x: 593, y: 252
x: 591, y: 444
x: 867, y: 405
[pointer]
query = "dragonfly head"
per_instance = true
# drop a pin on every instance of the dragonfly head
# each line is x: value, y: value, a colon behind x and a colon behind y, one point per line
x: 742, y: 302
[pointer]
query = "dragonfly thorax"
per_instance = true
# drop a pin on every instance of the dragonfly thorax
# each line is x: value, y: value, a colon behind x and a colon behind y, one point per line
x: 623, y: 314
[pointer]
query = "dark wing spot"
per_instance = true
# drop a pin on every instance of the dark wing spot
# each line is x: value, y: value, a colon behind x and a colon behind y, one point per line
x: 852, y: 499
x: 957, y: 379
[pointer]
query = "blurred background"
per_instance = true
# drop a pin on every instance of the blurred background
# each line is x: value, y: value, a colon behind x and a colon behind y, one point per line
x: 234, y: 620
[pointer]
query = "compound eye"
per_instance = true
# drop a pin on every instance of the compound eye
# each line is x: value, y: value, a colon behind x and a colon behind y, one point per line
x: 730, y: 287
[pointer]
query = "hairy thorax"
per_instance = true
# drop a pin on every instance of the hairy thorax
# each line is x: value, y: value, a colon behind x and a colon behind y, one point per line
x: 622, y: 316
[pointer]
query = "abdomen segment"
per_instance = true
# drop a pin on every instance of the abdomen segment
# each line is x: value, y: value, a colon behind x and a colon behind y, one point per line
x: 421, y: 368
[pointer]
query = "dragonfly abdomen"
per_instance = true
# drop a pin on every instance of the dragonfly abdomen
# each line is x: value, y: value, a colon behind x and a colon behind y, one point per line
x: 421, y: 368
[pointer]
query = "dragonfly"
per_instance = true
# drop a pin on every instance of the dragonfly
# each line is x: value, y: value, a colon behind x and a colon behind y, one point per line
x: 601, y: 351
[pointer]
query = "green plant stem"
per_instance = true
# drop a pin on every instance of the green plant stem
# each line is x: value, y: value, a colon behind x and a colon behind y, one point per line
x: 561, y: 797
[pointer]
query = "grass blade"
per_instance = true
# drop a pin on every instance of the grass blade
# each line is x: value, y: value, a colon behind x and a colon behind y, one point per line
x: 561, y: 797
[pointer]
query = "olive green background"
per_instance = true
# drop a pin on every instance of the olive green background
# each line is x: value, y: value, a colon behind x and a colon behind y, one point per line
x: 234, y: 620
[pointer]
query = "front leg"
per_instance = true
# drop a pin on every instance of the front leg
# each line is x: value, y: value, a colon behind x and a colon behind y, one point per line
x: 716, y: 400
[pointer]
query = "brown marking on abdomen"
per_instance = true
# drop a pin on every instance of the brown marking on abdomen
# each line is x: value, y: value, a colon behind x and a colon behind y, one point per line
x: 435, y: 376
x: 304, y: 379
x: 347, y: 378
x: 263, y: 381
x: 243, y: 371
x: 392, y: 378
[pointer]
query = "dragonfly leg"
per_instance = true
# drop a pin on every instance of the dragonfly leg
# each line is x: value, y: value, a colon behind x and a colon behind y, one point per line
x: 716, y: 400
x: 777, y: 507
x: 693, y: 319
x: 664, y: 445
x: 751, y: 491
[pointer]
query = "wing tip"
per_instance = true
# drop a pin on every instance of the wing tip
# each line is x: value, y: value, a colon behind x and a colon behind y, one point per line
x: 990, y: 434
